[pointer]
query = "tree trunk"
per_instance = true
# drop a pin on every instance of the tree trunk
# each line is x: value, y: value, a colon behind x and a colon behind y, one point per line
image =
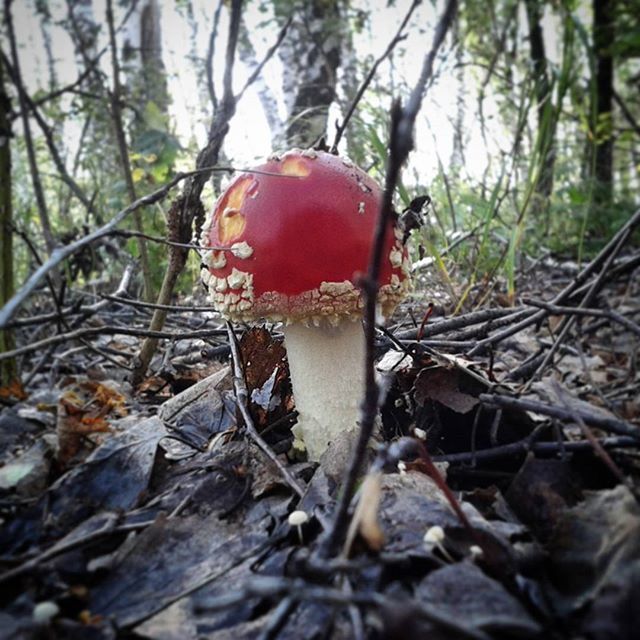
x: 310, y: 56
x: 142, y: 60
x: 546, y: 119
x: 268, y: 100
x: 602, y: 110
x: 8, y: 371
x: 187, y: 210
x: 457, y: 148
x: 123, y: 150
x: 41, y: 201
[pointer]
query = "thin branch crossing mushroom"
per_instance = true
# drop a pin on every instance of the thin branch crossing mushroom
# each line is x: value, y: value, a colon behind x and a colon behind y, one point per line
x: 288, y: 241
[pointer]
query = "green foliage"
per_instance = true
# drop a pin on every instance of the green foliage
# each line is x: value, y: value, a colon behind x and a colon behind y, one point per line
x: 505, y: 207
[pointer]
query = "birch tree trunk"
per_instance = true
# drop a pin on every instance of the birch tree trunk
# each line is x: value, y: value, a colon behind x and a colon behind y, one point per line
x: 310, y: 56
x: 142, y: 58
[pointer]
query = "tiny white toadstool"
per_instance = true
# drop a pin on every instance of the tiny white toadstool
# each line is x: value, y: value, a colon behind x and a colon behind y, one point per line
x: 434, y: 537
x: 475, y: 552
x: 297, y: 519
x: 305, y: 224
x: 45, y: 611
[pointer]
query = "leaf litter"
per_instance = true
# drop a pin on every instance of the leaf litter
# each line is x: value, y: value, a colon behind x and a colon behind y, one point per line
x: 153, y: 516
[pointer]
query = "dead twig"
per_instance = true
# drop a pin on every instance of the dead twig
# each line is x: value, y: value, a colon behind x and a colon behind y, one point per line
x: 531, y: 317
x: 110, y: 527
x: 463, y: 321
x: 61, y: 253
x: 611, y: 315
x: 300, y: 590
x: 242, y: 397
x: 542, y: 448
x: 77, y: 334
x: 568, y: 321
x: 606, y: 423
x: 598, y: 449
x: 274, y: 47
x: 401, y: 143
x: 340, y: 128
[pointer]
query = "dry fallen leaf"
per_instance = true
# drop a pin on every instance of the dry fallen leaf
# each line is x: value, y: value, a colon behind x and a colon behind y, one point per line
x: 82, y: 409
x: 14, y: 390
x: 267, y: 375
x: 443, y: 385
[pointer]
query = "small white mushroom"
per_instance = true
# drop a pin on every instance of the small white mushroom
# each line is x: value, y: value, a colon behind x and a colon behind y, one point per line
x: 421, y: 434
x: 45, y: 611
x: 475, y: 552
x: 434, y: 537
x: 297, y: 519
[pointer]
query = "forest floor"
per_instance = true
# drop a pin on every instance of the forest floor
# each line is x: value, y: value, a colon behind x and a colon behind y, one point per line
x: 155, y: 513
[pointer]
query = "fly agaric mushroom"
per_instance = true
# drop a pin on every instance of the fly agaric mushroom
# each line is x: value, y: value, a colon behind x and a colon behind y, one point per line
x: 286, y: 244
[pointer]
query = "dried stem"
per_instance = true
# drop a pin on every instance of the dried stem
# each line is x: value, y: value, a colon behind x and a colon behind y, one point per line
x: 401, y: 143
x: 614, y: 425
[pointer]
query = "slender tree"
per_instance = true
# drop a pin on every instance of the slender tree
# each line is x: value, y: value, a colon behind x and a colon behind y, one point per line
x: 602, y: 109
x: 187, y: 209
x: 543, y: 89
x: 8, y: 371
x: 41, y: 201
x: 310, y: 57
x: 123, y: 150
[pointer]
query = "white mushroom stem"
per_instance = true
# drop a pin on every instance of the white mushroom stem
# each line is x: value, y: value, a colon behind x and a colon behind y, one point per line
x: 327, y: 373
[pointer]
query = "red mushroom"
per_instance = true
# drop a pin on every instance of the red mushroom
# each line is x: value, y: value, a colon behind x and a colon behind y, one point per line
x: 290, y: 240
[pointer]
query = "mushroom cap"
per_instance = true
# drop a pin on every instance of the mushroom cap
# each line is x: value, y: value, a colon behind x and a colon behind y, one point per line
x: 298, y: 518
x: 291, y: 237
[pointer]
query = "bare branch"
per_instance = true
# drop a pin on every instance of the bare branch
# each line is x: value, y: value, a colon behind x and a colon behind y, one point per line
x: 258, y: 70
x: 401, y: 143
x: 77, y: 334
x: 242, y: 396
x: 60, y: 253
x: 340, y: 129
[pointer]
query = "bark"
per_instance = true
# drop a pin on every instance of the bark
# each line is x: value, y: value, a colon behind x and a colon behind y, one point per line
x: 123, y: 150
x: 43, y: 211
x: 268, y: 100
x: 602, y: 110
x: 8, y: 370
x: 543, y: 89
x: 43, y: 10
x: 187, y: 210
x: 457, y: 152
x: 142, y: 58
x: 310, y: 56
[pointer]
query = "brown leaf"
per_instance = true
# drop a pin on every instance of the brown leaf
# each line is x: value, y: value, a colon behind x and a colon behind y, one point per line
x: 442, y: 385
x: 13, y: 390
x: 83, y: 409
x: 266, y: 373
